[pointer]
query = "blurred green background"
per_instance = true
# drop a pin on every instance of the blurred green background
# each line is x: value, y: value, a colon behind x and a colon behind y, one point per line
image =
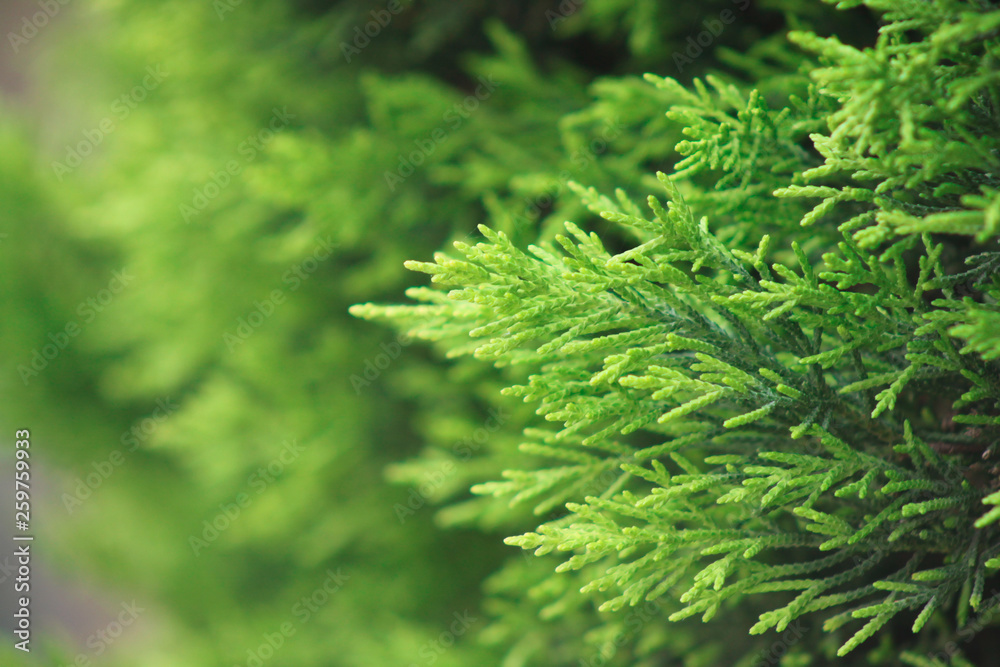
x: 193, y: 195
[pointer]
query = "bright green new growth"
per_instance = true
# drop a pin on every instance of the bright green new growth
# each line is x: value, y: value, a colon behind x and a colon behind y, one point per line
x: 788, y: 362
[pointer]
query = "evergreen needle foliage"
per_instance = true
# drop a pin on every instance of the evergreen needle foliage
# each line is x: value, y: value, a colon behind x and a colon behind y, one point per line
x: 771, y: 383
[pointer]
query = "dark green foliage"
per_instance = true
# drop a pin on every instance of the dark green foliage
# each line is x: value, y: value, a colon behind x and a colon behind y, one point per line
x: 771, y: 386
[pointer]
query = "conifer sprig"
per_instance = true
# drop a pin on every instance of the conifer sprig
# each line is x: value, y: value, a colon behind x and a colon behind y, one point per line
x: 799, y: 397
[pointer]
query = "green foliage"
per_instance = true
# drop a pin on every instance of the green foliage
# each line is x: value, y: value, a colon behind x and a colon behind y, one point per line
x: 754, y: 383
x: 751, y: 400
x: 204, y: 259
